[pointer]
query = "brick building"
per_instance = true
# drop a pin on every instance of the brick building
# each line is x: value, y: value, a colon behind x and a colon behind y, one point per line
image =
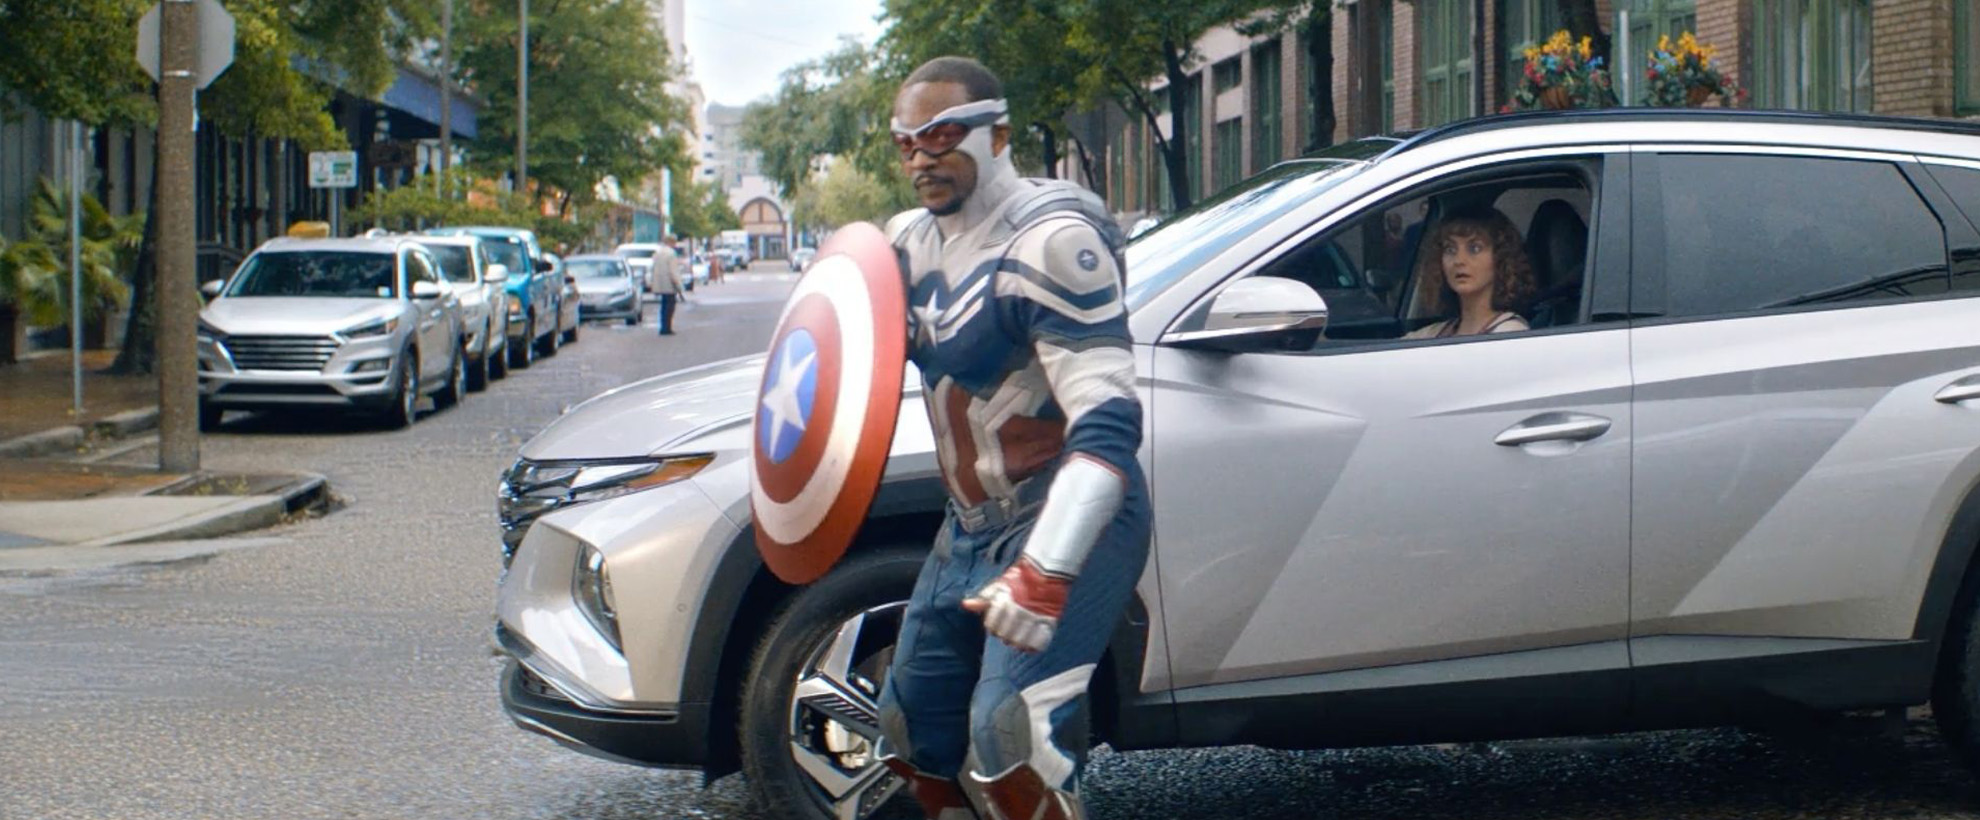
x: 1381, y: 66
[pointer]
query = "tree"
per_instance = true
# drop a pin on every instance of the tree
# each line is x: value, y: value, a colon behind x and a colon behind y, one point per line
x: 838, y: 105
x: 700, y: 209
x: 847, y: 194
x: 598, y: 105
x: 1128, y: 41
x: 74, y: 59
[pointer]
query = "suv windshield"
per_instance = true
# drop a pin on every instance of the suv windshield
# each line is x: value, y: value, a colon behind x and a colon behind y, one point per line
x: 341, y: 274
x: 508, y: 253
x: 593, y: 268
x: 455, y: 262
x: 637, y: 253
x: 1169, y: 251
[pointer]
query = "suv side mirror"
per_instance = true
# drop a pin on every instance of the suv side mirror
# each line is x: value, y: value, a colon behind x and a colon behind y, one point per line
x: 427, y: 290
x: 496, y: 274
x: 212, y: 287
x: 1256, y: 307
x: 544, y: 266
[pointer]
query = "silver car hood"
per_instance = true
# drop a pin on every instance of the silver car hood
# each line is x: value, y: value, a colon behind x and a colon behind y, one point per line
x: 590, y: 285
x: 656, y: 415
x: 294, y: 315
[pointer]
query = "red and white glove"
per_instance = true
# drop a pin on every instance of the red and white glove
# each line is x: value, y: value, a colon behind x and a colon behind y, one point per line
x: 1022, y: 606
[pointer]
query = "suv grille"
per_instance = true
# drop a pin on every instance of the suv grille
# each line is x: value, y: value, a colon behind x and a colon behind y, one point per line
x: 281, y: 352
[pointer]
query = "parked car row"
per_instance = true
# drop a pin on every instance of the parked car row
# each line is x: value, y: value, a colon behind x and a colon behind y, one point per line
x: 1729, y: 475
x: 374, y: 324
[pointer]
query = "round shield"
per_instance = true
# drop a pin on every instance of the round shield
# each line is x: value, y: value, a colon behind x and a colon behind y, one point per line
x: 826, y: 407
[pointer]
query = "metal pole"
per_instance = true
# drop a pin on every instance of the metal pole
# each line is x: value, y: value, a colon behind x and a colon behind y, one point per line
x: 75, y: 260
x: 178, y: 300
x: 522, y: 104
x: 446, y: 92
x: 1622, y: 62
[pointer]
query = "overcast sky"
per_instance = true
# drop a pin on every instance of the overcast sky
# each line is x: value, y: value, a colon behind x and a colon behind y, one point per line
x: 739, y: 47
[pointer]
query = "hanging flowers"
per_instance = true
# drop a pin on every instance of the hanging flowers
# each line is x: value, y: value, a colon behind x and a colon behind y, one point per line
x: 1681, y: 74
x: 1562, y: 73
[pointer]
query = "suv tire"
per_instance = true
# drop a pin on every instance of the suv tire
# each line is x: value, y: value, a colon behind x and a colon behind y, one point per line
x: 456, y: 387
x: 1956, y: 687
x: 868, y: 590
x: 402, y: 409
x: 521, y: 356
x: 209, y: 416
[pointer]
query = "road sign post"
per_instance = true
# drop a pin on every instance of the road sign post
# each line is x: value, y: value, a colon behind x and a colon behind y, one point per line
x: 184, y: 45
x: 337, y: 171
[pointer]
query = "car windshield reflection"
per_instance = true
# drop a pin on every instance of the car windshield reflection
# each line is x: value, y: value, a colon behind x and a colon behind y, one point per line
x: 320, y: 273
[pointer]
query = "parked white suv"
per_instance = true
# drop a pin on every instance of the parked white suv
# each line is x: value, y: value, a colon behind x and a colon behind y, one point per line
x: 360, y: 323
x: 1731, y: 473
x: 482, y: 288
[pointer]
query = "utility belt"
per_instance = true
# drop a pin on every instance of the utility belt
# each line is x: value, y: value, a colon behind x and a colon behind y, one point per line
x: 1026, y: 498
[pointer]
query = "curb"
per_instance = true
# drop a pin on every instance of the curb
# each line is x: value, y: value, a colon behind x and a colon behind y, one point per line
x: 252, y: 512
x: 129, y: 423
x: 42, y: 443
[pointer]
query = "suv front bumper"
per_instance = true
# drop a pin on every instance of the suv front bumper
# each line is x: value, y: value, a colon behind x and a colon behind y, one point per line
x: 677, y: 739
x: 350, y: 374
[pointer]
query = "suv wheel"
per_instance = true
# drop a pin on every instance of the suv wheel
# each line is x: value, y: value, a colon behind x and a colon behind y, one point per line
x: 1956, y: 689
x: 403, y: 408
x: 570, y: 336
x: 209, y: 416
x: 498, y: 360
x: 456, y: 388
x: 552, y: 342
x: 810, y: 714
x: 523, y: 355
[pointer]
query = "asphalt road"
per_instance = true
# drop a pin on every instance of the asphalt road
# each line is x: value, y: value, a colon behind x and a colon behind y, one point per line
x: 343, y: 670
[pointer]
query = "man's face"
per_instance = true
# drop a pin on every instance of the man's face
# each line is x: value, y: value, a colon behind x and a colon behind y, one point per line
x: 941, y: 183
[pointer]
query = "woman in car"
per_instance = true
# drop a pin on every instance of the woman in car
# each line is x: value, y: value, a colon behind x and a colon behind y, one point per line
x: 1476, y: 268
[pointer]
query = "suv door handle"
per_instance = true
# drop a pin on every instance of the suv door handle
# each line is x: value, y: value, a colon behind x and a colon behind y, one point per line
x: 1965, y: 389
x: 1553, y: 427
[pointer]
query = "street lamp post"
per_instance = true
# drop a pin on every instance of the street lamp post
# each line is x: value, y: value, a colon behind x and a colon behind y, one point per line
x: 522, y: 103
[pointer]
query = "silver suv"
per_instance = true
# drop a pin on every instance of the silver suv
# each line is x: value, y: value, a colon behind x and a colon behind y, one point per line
x: 1729, y: 474
x: 481, y: 285
x: 362, y: 323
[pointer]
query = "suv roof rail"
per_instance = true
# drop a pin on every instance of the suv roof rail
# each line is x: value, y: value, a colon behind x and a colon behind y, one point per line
x: 1649, y: 114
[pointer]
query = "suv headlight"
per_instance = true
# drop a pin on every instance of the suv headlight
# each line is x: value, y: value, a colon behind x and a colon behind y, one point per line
x: 533, y: 489
x: 591, y: 587
x: 381, y: 327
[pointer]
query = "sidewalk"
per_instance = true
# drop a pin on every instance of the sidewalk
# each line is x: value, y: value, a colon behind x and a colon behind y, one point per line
x: 37, y: 394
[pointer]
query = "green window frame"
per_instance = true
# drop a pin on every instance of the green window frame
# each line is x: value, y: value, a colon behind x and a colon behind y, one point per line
x: 1267, y: 121
x: 1193, y: 92
x: 1524, y: 24
x: 1385, y: 34
x: 1228, y: 167
x: 1444, y: 37
x: 1226, y: 75
x: 1813, y: 55
x: 1966, y: 56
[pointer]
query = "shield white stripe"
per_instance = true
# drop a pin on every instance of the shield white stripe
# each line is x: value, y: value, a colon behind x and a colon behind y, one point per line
x: 840, y: 281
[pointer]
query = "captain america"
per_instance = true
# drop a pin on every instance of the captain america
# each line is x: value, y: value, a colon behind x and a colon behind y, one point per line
x: 1017, y: 327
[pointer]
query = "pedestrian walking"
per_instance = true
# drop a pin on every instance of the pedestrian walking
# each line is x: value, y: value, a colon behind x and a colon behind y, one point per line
x: 1017, y: 327
x: 664, y: 279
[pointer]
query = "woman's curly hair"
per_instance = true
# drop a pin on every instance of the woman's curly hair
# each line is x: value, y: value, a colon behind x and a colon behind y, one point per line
x: 1512, y: 275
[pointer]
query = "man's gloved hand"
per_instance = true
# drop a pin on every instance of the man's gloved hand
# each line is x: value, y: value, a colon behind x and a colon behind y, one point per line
x: 1022, y: 606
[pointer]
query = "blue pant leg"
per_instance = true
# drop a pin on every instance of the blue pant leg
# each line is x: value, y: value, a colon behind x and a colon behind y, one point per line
x: 924, y: 706
x: 1031, y: 708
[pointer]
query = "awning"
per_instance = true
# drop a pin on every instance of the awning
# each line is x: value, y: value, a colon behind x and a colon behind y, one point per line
x: 419, y: 96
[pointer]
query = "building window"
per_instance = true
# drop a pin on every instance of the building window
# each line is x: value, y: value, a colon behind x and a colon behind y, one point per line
x: 1444, y: 35
x: 1193, y: 92
x: 1229, y: 145
x: 1812, y: 54
x: 1651, y: 20
x: 1385, y: 36
x: 1226, y: 75
x: 1966, y: 56
x: 1266, y: 127
x: 1523, y: 25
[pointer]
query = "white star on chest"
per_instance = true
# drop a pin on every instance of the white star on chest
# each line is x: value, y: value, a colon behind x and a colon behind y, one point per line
x: 781, y: 399
x: 926, y: 317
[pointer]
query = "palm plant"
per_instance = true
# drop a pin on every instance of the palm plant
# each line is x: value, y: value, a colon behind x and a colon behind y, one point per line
x: 109, y: 249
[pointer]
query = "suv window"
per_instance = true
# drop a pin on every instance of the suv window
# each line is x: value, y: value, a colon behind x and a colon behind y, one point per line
x: 1367, y: 269
x: 1744, y: 233
x: 1963, y: 184
x: 418, y: 270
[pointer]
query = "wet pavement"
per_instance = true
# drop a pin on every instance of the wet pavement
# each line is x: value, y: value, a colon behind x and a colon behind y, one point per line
x: 341, y: 668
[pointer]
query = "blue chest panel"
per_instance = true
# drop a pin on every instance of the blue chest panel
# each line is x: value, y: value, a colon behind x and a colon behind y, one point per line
x: 960, y: 331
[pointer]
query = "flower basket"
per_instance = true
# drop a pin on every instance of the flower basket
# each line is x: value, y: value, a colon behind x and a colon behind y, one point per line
x: 1562, y: 74
x: 1681, y: 74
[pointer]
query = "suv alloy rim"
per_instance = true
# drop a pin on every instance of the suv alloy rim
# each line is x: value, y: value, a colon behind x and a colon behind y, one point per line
x: 835, y: 714
x: 408, y: 390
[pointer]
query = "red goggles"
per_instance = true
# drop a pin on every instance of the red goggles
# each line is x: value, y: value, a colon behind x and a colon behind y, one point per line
x: 941, y: 136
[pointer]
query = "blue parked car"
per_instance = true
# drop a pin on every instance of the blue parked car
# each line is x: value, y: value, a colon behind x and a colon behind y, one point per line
x: 536, y: 292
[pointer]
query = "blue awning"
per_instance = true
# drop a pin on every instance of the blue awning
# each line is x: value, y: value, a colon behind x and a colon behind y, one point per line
x: 419, y: 96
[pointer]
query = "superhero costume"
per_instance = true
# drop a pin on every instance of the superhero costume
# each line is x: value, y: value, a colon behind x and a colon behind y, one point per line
x: 1017, y: 326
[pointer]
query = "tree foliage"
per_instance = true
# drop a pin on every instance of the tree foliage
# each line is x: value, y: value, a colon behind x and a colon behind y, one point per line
x: 598, y: 105
x: 700, y: 209
x: 34, y: 275
x: 838, y: 105
x: 847, y: 194
x: 413, y: 207
x: 74, y: 59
